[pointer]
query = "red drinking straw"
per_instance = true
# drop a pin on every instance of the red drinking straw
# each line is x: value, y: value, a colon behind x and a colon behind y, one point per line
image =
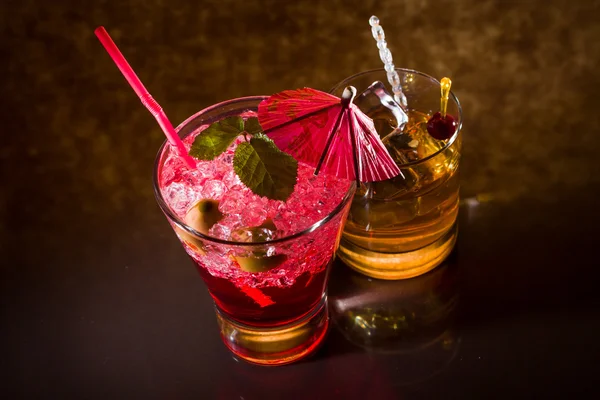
x: 147, y: 100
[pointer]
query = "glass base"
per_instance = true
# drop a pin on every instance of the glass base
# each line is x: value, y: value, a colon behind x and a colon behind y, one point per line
x: 276, y: 345
x: 398, y: 265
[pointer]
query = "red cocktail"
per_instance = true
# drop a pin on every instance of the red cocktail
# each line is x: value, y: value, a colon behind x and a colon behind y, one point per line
x: 264, y: 261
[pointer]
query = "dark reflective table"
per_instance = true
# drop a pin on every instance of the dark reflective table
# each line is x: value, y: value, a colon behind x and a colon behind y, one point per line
x: 100, y: 301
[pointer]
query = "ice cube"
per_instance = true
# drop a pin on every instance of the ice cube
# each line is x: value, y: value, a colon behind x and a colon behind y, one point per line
x: 411, y: 144
x: 417, y: 130
x: 262, y: 233
x: 398, y: 188
x: 375, y: 214
x: 213, y: 189
x: 402, y: 147
x: 180, y: 197
x: 380, y: 106
x: 259, y: 259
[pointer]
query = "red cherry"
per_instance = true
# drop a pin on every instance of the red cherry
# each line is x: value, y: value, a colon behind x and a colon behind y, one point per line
x: 441, y: 128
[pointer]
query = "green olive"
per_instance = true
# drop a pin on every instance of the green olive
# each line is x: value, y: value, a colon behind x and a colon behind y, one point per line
x: 201, y: 217
x: 257, y: 263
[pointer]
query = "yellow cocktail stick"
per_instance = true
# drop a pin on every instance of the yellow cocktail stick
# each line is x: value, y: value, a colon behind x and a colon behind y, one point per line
x: 445, y: 85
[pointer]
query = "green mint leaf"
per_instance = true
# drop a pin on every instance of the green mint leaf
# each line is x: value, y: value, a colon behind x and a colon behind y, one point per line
x: 265, y: 169
x: 252, y: 126
x: 215, y: 139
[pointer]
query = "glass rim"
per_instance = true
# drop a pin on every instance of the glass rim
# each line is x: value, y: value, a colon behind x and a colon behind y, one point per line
x: 173, y: 217
x: 449, y: 143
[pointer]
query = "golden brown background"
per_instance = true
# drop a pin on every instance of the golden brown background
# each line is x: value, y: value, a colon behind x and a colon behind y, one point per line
x: 525, y: 73
x: 99, y: 295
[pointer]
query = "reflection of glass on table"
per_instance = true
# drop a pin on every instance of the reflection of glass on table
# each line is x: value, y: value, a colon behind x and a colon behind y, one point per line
x: 408, y: 322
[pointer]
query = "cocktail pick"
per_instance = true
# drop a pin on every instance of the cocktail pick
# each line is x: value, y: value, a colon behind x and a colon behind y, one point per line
x: 388, y: 62
x: 445, y: 85
x: 147, y: 100
x: 441, y: 125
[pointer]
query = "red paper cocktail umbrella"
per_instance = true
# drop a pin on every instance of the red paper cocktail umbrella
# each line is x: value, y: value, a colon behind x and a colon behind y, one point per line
x: 327, y: 132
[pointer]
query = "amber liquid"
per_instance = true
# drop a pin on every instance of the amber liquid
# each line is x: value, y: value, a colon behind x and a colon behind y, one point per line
x: 403, y: 227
